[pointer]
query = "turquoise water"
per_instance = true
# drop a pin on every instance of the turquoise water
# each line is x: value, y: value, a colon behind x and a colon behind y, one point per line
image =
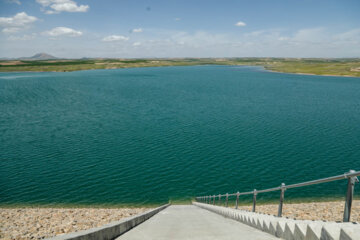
x: 147, y: 135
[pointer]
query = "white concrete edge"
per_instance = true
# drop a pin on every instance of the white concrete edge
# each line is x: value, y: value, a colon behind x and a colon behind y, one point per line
x: 290, y: 229
x: 110, y: 230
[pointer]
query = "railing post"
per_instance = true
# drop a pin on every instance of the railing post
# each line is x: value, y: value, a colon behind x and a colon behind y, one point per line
x: 281, y: 199
x: 254, y: 201
x: 237, y: 200
x: 349, y: 196
x: 227, y: 199
x: 351, y: 176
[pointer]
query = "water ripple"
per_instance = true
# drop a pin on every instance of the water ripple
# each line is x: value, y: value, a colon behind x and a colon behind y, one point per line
x: 147, y: 135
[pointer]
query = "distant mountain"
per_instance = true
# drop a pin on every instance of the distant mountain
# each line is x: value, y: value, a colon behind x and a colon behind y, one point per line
x: 40, y: 56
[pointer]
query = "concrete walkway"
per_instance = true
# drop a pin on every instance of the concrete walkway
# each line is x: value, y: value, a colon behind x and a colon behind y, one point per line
x: 191, y: 222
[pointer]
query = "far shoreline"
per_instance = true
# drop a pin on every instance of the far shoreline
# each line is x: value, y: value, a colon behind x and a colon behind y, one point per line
x: 305, y: 66
x: 311, y: 74
x: 130, y: 67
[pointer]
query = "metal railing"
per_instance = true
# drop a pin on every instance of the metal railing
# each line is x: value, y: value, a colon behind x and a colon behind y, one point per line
x: 351, y: 176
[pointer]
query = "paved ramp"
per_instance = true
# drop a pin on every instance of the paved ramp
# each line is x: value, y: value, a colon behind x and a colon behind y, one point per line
x: 191, y: 222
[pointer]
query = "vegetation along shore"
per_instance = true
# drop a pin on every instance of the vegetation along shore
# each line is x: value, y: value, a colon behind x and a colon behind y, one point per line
x: 317, y: 66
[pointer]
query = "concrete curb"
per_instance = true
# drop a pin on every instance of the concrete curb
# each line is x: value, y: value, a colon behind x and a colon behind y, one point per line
x: 289, y: 229
x: 111, y: 230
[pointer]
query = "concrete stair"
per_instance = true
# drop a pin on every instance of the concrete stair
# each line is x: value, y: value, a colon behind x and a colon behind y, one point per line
x: 289, y: 229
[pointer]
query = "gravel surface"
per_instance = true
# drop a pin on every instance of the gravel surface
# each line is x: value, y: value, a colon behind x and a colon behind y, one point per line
x: 328, y: 211
x: 39, y: 223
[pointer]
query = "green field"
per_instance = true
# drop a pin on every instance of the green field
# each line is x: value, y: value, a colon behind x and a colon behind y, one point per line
x: 338, y: 67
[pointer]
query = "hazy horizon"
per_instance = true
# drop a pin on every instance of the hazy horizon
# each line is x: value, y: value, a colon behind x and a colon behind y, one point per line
x: 180, y: 29
x: 245, y: 57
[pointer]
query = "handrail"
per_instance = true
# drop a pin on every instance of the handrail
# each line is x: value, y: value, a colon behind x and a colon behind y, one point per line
x: 351, y: 176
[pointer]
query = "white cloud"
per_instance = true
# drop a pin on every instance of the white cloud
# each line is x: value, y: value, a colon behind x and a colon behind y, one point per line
x: 352, y: 35
x: 177, y: 19
x: 281, y: 42
x: 308, y: 42
x: 310, y: 35
x: 25, y: 37
x: 198, y: 39
x: 137, y: 30
x: 113, y: 38
x: 63, y: 31
x: 11, y: 30
x: 240, y: 24
x: 57, y: 6
x: 260, y: 43
x: 16, y: 23
x: 50, y: 12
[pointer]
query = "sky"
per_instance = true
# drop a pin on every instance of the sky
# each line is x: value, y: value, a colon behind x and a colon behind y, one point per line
x: 180, y: 28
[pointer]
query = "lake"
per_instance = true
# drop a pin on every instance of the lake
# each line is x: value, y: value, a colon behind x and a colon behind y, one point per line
x: 149, y: 135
